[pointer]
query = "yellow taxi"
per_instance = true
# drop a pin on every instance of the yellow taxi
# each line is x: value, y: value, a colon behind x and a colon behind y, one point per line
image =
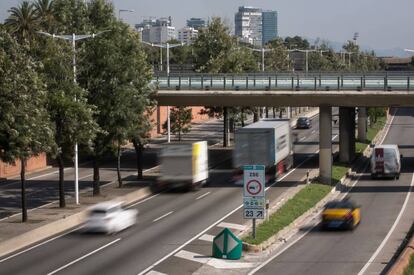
x: 341, y: 214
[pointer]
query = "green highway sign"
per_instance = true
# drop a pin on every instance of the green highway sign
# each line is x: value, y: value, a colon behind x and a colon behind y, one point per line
x: 227, y: 246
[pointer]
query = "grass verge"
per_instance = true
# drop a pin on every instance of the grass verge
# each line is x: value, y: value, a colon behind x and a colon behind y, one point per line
x: 290, y: 211
x: 373, y: 129
x: 409, y: 270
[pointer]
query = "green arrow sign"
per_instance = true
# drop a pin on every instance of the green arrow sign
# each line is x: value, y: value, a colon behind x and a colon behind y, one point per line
x: 227, y: 246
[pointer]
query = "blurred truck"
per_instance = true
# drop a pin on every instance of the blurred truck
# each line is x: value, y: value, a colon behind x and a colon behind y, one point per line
x: 183, y: 165
x: 267, y: 142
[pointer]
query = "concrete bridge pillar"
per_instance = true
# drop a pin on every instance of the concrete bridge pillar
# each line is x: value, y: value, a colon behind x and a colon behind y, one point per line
x: 362, y: 124
x: 325, y: 144
x: 226, y: 128
x: 346, y: 134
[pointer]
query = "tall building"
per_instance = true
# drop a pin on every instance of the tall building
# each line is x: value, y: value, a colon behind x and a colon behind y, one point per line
x: 196, y: 23
x: 187, y: 35
x: 156, y: 30
x: 269, y: 26
x: 248, y: 25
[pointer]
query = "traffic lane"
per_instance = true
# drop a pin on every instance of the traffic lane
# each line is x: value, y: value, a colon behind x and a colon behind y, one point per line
x: 402, y: 127
x: 149, y: 210
x: 346, y: 252
x: 151, y: 239
x: 41, y: 192
x: 163, y: 200
x: 157, y: 204
x: 322, y: 252
x: 174, y: 265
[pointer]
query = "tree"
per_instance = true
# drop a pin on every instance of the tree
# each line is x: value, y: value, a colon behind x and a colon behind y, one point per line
x: 25, y: 129
x: 212, y: 46
x: 69, y: 110
x: 23, y: 21
x: 45, y: 14
x: 180, y: 120
x: 216, y: 51
x: 277, y: 58
x: 296, y: 42
x: 116, y: 74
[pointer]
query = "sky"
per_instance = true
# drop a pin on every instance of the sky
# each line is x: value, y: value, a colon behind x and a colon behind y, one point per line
x: 381, y: 24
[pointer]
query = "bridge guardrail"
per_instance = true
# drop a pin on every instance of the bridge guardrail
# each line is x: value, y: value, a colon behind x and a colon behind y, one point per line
x: 294, y: 82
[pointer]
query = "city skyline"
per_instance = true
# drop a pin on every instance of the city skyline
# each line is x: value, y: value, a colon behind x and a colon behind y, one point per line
x: 318, y: 20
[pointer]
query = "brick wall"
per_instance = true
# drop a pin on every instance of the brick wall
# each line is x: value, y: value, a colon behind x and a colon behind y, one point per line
x: 34, y: 163
x: 159, y: 117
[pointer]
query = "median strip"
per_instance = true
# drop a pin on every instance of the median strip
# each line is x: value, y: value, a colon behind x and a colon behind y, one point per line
x: 290, y: 211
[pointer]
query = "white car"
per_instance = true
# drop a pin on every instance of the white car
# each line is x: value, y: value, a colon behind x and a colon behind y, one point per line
x: 109, y: 217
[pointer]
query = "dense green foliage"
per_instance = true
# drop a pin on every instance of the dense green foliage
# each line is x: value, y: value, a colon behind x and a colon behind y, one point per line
x: 180, y: 120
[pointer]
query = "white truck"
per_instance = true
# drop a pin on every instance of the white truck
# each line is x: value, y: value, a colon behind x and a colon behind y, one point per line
x: 267, y: 142
x: 183, y: 165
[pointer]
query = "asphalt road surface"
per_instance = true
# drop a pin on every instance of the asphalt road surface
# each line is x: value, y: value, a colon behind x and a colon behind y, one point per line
x: 387, y: 210
x: 166, y: 222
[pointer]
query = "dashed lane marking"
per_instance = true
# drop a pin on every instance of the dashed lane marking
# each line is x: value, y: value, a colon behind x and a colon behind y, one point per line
x: 207, y: 238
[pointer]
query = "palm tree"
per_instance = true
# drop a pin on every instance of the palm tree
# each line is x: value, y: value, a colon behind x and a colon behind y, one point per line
x: 22, y: 21
x: 44, y: 13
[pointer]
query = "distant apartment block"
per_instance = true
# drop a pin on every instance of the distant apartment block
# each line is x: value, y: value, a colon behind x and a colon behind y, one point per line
x: 187, y: 35
x: 196, y: 23
x: 254, y: 26
x: 248, y: 25
x: 269, y: 26
x: 156, y: 30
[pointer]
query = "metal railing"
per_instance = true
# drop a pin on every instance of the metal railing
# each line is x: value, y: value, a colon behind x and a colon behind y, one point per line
x: 385, y: 81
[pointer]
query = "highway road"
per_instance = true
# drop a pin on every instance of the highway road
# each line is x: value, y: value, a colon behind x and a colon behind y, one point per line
x: 168, y: 222
x: 387, y: 210
x: 42, y: 187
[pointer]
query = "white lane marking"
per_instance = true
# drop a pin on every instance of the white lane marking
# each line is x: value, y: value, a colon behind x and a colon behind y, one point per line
x: 163, y: 216
x: 207, y: 238
x: 388, y: 127
x: 299, y: 238
x: 313, y: 131
x: 302, y: 139
x: 153, y: 272
x: 86, y: 176
x: 144, y: 200
x: 306, y: 232
x: 84, y: 256
x: 40, y: 244
x: 86, y: 190
x: 234, y: 226
x: 335, y: 136
x: 202, y: 196
x: 384, y: 241
x: 217, y: 222
x: 216, y: 263
x: 36, y: 177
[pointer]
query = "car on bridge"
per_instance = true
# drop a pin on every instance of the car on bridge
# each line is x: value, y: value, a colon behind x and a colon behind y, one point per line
x: 341, y: 214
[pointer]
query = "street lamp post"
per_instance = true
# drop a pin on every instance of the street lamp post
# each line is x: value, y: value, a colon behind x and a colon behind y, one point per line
x: 123, y: 10
x: 73, y: 38
x: 262, y: 50
x: 167, y: 46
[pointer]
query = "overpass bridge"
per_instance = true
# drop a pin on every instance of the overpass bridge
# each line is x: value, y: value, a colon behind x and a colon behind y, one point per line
x: 323, y: 90
x: 352, y: 90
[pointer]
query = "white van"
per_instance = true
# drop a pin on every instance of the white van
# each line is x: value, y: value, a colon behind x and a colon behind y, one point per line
x: 385, y: 161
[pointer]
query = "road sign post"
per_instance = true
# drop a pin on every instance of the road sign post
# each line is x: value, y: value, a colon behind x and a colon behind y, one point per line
x: 254, y: 194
